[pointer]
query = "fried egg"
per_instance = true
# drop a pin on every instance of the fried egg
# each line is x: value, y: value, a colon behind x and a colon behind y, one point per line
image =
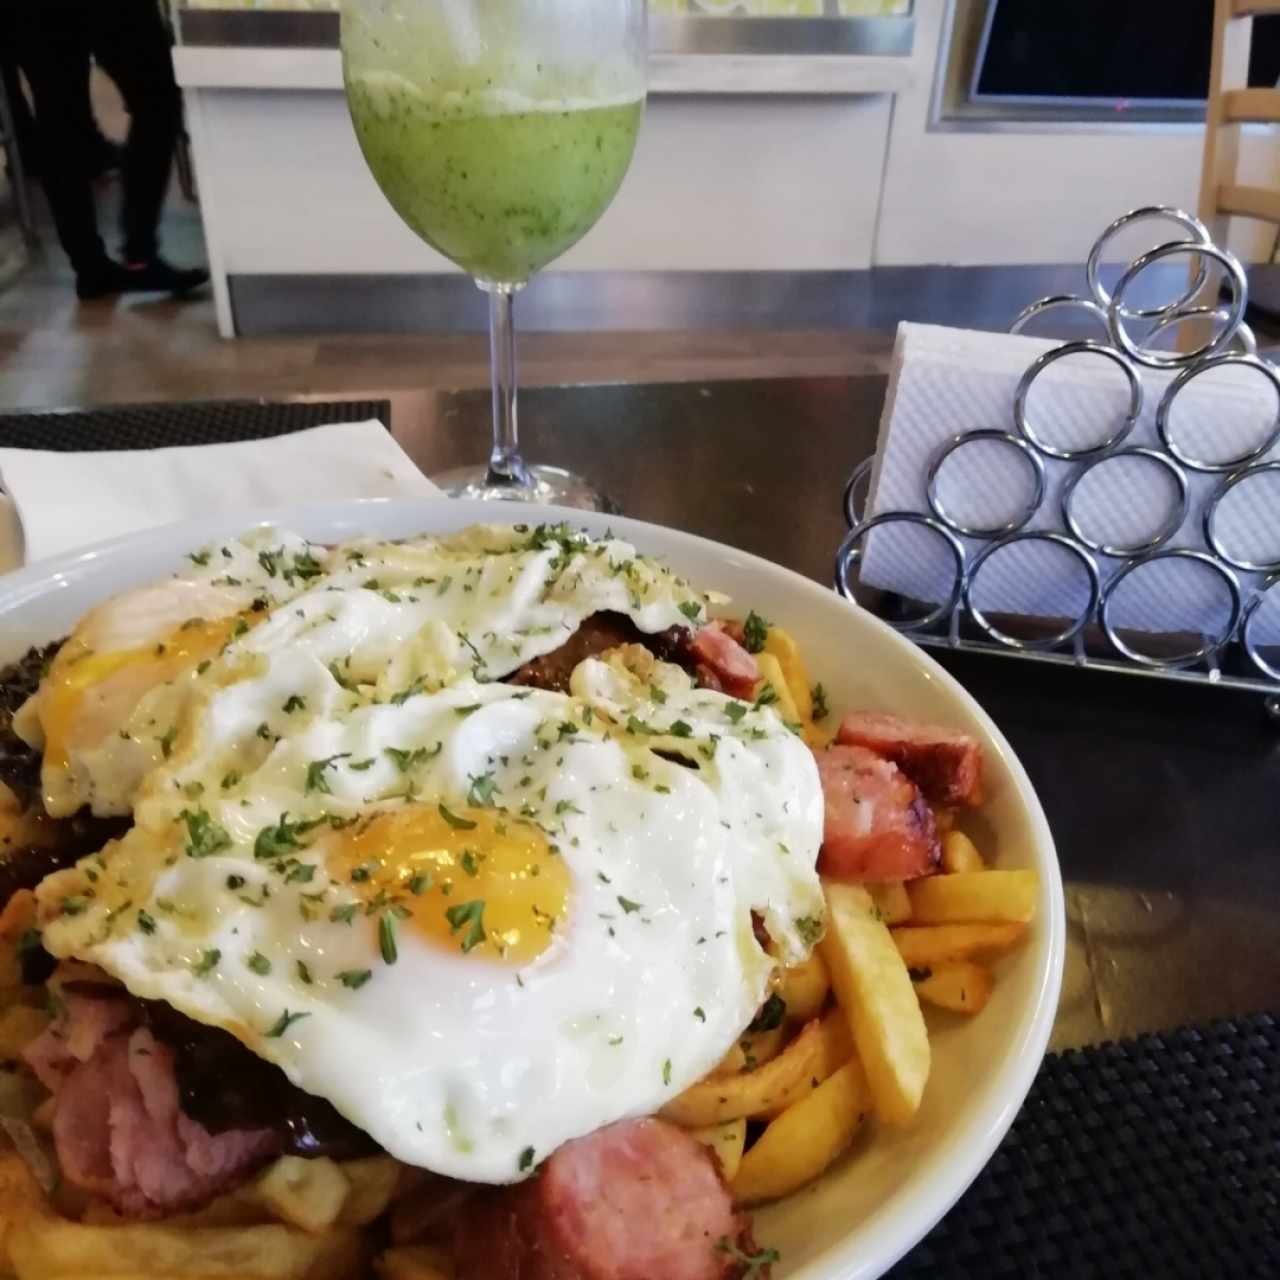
x: 481, y: 920
x: 383, y: 617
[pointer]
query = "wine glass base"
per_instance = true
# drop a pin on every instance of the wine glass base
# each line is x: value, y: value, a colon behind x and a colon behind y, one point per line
x: 552, y: 485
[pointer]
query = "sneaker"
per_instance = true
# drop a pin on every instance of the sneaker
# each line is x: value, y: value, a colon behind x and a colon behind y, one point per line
x: 158, y: 276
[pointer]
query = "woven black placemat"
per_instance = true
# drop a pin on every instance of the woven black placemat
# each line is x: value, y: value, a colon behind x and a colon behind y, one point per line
x: 155, y: 426
x: 1144, y: 1159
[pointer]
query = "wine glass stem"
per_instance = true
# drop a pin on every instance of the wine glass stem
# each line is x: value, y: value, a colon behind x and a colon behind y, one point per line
x: 505, y: 463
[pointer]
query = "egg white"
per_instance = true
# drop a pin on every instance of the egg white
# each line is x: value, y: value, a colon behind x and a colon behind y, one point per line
x: 468, y: 1066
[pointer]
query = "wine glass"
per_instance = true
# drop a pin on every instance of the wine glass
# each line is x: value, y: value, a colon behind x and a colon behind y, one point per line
x: 499, y: 130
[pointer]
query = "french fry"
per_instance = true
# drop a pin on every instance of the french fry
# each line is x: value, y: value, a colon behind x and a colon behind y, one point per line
x: 372, y: 1183
x: 733, y: 1063
x: 304, y: 1193
x: 781, y: 645
x: 759, y: 1047
x: 804, y: 987
x: 414, y: 1262
x: 892, y: 901
x: 19, y: 1025
x: 872, y: 986
x: 771, y: 674
x: 963, y: 987
x: 959, y: 853
x: 726, y: 1142
x: 45, y: 1246
x: 927, y: 946
x: 805, y: 1138
x: 813, y: 1055
x: 974, y: 896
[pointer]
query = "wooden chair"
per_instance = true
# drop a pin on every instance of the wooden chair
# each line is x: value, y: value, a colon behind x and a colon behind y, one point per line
x: 1232, y: 104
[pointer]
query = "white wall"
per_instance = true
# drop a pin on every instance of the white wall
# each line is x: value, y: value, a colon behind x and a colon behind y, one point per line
x: 718, y: 183
x: 1034, y: 196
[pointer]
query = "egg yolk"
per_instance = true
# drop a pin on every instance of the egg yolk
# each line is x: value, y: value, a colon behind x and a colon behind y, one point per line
x: 473, y: 881
x: 88, y: 695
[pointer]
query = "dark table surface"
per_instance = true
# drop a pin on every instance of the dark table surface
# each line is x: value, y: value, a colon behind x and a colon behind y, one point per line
x: 1164, y: 800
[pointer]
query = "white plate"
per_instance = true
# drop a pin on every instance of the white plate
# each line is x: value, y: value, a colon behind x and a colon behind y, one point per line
x: 878, y: 1202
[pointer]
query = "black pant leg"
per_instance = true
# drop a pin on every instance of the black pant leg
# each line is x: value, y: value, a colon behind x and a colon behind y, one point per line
x: 130, y: 44
x: 50, y: 48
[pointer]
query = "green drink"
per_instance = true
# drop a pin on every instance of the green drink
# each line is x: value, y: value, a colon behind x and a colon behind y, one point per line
x: 498, y: 183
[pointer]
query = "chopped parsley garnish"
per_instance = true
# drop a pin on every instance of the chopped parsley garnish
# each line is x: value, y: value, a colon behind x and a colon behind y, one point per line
x: 680, y: 729
x: 754, y: 632
x: 628, y: 906
x: 359, y: 766
x: 666, y: 1071
x: 316, y: 781
x: 294, y: 702
x: 283, y: 1023
x: 264, y: 731
x: 691, y: 610
x: 420, y: 883
x: 755, y: 1263
x: 198, y: 557
x: 464, y: 914
x: 204, y: 836
x: 636, y: 725
x: 300, y: 873
x: 166, y: 741
x: 207, y: 963
x: 639, y: 773
x: 146, y: 922
x: 821, y: 709
x: 343, y: 680
x: 771, y: 1014
x: 345, y: 913
x: 481, y: 792
x: 566, y: 806
x: 354, y: 979
x: 405, y: 758
x: 656, y: 695
x: 700, y: 1014
x: 526, y: 1160
x: 810, y: 929
x: 259, y: 963
x: 735, y: 711
x: 457, y: 823
x: 275, y: 842
x: 470, y: 863
x: 73, y: 906
x: 768, y: 694
x: 304, y: 973
x: 235, y: 882
x: 467, y: 710
x: 387, y: 938
x: 229, y: 780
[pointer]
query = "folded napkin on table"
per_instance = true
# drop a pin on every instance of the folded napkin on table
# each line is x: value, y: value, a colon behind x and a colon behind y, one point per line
x: 949, y: 381
x: 59, y: 501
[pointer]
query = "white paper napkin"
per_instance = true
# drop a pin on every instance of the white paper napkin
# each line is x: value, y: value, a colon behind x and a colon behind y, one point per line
x: 59, y: 501
x: 948, y: 381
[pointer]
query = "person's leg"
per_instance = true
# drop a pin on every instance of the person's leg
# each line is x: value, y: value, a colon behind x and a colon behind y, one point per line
x: 130, y: 44
x: 52, y: 55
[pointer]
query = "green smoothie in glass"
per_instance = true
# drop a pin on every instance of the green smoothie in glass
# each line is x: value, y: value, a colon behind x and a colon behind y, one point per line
x: 499, y: 183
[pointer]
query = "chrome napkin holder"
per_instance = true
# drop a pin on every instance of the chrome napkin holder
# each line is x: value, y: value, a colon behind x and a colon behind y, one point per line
x: 1232, y: 658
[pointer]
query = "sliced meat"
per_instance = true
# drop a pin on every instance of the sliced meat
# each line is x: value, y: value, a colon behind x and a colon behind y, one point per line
x: 598, y: 633
x: 722, y: 663
x: 638, y: 1200
x: 119, y: 1134
x: 117, y: 1127
x: 944, y: 763
x: 156, y: 1113
x: 877, y: 825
